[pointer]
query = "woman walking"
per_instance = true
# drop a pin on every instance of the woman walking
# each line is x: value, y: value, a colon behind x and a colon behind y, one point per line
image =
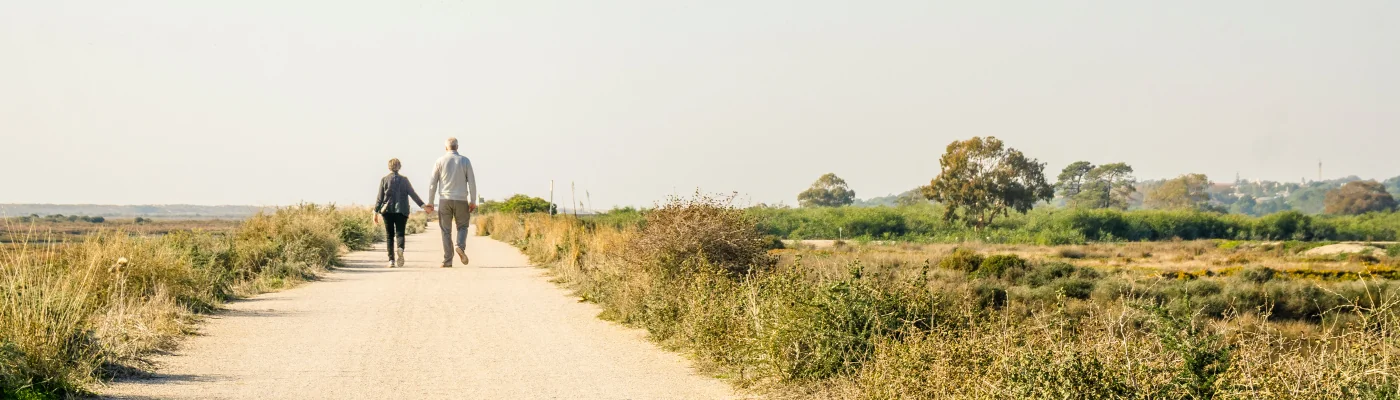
x: 394, y: 191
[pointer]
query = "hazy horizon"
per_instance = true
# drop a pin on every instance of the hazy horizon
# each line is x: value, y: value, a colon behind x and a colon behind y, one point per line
x: 270, y: 103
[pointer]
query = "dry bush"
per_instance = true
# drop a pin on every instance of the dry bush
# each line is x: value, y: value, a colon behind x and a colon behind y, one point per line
x: 73, y: 313
x: 880, y: 322
x: 701, y: 231
x: 1070, y: 253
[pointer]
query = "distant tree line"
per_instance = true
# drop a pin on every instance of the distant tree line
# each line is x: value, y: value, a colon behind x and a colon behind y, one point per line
x: 982, y: 179
x: 521, y: 204
x: 61, y: 218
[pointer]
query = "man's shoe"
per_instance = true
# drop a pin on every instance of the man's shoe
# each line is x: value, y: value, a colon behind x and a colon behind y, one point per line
x: 462, y: 254
x: 399, y: 253
x: 446, y: 265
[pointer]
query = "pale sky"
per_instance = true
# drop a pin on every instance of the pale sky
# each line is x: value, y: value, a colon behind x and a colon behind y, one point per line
x: 275, y: 102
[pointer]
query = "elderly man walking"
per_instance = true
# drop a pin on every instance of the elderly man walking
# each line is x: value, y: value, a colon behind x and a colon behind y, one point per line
x: 454, y: 180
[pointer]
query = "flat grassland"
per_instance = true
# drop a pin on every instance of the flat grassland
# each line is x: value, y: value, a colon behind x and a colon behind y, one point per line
x: 879, y: 320
x: 1198, y: 258
x: 84, y: 301
x: 12, y: 230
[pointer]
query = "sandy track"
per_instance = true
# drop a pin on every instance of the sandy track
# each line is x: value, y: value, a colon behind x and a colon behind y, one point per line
x: 494, y: 330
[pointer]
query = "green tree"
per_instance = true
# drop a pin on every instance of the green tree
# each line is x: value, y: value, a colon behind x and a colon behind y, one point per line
x: 1186, y: 191
x: 1071, y: 179
x: 1245, y: 205
x: 1270, y: 206
x: 828, y: 191
x: 911, y: 198
x: 1309, y: 199
x: 1358, y: 197
x: 1106, y: 186
x: 1392, y: 185
x: 525, y: 204
x: 982, y: 178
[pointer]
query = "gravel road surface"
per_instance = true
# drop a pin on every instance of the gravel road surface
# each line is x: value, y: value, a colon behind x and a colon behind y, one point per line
x: 497, y: 329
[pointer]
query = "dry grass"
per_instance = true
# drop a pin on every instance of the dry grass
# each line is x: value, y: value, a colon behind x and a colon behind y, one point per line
x: 885, y: 322
x: 1200, y: 257
x: 43, y: 231
x: 76, y: 312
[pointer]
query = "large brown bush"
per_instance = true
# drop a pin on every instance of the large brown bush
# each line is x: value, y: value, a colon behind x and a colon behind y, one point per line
x: 682, y: 235
x: 1358, y: 197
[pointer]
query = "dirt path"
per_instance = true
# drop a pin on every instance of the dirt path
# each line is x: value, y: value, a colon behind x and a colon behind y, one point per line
x: 494, y: 330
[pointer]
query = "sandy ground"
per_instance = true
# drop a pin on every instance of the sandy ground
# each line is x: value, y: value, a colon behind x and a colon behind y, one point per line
x: 497, y: 329
x: 1342, y: 248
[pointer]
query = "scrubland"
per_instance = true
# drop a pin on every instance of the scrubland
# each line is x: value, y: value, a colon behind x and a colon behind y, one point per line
x: 1098, y: 320
x: 75, y: 312
x: 1060, y: 226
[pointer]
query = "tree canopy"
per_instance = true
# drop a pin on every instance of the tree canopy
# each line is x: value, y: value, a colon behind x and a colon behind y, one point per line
x: 1358, y: 197
x: 982, y: 178
x: 828, y: 191
x: 523, y: 204
x: 1186, y: 191
x: 1071, y: 179
x: 1084, y: 185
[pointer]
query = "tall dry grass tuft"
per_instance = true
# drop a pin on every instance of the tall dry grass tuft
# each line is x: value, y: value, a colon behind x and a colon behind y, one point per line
x: 74, y: 313
x: 897, y: 322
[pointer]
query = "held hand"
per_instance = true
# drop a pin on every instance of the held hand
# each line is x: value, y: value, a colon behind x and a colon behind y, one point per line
x: 428, y: 208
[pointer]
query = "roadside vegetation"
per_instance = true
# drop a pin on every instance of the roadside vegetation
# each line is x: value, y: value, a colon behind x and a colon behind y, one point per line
x: 61, y: 228
x: 1166, y: 320
x: 1055, y: 226
x: 989, y: 192
x: 73, y: 313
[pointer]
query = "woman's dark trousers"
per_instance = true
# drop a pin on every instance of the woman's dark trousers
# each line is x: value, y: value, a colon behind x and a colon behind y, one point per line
x: 394, y: 225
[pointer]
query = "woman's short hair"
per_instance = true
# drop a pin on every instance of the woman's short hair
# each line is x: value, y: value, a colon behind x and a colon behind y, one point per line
x: 394, y: 164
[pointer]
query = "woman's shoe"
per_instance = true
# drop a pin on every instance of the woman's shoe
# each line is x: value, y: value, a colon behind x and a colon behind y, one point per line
x: 399, y: 253
x: 391, y: 263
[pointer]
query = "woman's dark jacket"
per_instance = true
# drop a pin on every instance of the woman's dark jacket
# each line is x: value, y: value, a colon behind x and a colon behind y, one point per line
x: 394, y: 191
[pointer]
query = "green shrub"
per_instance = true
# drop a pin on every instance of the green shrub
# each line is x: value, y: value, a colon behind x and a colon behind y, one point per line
x: 774, y: 242
x: 1045, y: 273
x: 989, y: 295
x: 1393, y: 250
x: 1204, y: 355
x: 1074, y: 288
x: 1257, y: 274
x: 358, y: 231
x: 961, y: 260
x: 835, y: 330
x: 1006, y: 266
